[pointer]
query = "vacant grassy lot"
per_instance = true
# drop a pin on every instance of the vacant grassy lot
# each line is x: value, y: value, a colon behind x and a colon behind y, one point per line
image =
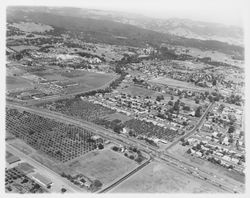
x: 170, y: 82
x: 177, y: 83
x: 13, y: 83
x: 105, y: 165
x: 94, y: 79
x: 138, y: 91
x: 161, y: 178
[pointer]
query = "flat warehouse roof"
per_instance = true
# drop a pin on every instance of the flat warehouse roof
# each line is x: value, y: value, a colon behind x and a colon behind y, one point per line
x: 42, y: 179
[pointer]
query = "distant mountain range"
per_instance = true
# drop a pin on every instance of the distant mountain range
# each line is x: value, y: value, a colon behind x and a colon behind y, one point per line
x: 131, y: 29
x: 180, y: 27
x: 176, y: 26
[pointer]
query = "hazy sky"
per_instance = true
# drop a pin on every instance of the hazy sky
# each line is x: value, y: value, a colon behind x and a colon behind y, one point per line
x: 222, y: 11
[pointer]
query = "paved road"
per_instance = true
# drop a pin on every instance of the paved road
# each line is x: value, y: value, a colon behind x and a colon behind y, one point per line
x: 209, y: 177
x: 198, y: 125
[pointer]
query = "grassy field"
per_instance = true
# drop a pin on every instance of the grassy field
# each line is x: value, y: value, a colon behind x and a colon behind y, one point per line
x: 177, y: 83
x: 161, y: 178
x: 13, y: 83
x: 93, y: 80
x: 105, y: 165
x: 171, y: 82
x: 85, y: 80
x: 138, y: 91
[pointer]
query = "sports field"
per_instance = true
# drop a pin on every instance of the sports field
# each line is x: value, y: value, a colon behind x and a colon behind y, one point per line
x: 161, y: 178
x: 105, y: 165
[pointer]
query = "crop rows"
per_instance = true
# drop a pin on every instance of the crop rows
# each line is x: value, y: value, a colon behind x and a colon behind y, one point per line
x: 58, y: 140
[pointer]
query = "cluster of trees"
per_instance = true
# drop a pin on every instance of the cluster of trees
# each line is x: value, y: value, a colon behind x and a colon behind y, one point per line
x: 151, y: 142
x: 116, y: 125
x: 198, y: 112
x: 159, y: 98
x: 234, y: 99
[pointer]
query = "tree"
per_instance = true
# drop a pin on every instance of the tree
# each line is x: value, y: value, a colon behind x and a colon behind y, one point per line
x: 117, y: 129
x: 63, y: 190
x: 170, y: 103
x: 177, y: 105
x: 159, y: 98
x: 188, y: 151
x: 97, y: 183
x: 210, y: 98
x: 115, y: 148
x: 231, y: 129
x: 172, y: 97
x: 198, y: 112
x: 100, y: 146
x: 186, y: 108
x: 184, y: 123
x: 198, y: 146
x: 132, y: 157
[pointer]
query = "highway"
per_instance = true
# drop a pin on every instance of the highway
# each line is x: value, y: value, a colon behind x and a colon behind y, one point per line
x: 170, y: 160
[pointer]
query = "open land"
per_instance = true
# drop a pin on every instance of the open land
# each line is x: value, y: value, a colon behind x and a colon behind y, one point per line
x: 85, y: 106
x: 176, y: 83
x: 158, y: 177
x: 14, y: 83
x: 104, y: 165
